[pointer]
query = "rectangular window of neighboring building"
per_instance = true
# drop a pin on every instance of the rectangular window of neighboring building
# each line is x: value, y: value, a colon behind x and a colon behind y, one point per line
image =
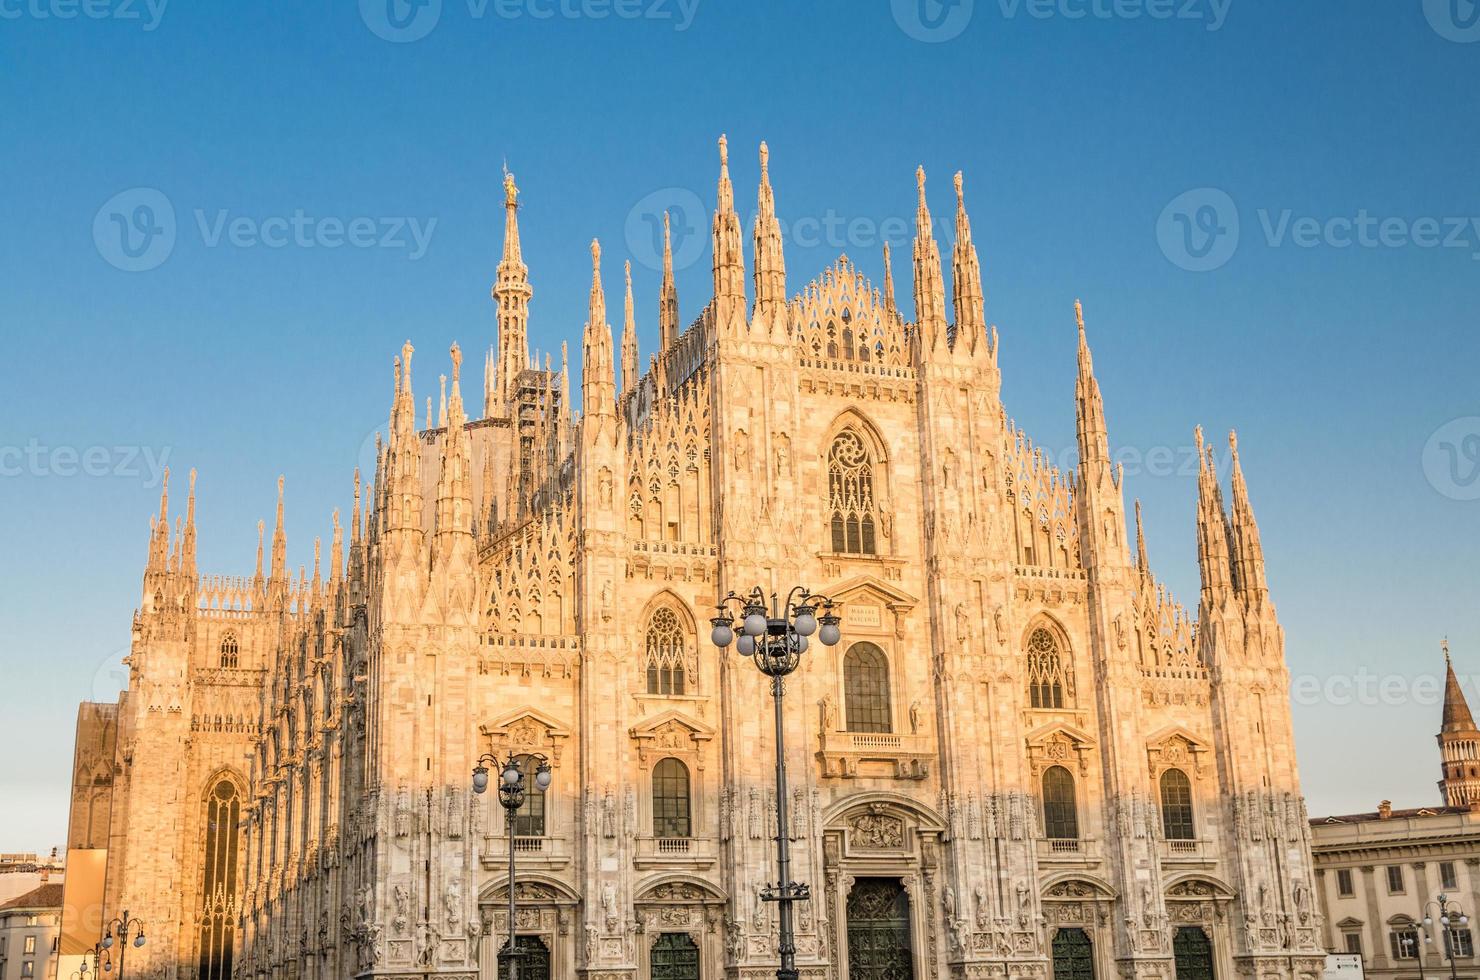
x: 28, y: 968
x: 1344, y: 883
x: 1447, y: 877
x: 30, y: 945
x: 1404, y: 943
x: 1395, y: 879
x: 1354, y: 943
x: 1458, y: 942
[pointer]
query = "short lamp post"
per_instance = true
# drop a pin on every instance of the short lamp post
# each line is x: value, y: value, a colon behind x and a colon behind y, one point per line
x: 774, y: 635
x: 1410, y: 944
x: 511, y: 792
x: 123, y: 925
x: 1450, y: 916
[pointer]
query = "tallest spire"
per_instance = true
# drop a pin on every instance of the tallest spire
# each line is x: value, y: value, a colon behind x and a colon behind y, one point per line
x: 930, y: 295
x: 770, y: 265
x: 729, y: 263
x: 966, y: 278
x: 1248, y: 553
x: 511, y: 295
x: 1090, y: 409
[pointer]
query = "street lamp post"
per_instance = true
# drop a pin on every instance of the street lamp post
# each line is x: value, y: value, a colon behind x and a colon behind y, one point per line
x: 1450, y: 915
x: 775, y: 635
x: 1410, y: 945
x: 511, y: 792
x: 124, y: 925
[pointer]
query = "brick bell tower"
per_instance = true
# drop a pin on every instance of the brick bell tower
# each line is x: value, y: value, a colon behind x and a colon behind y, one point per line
x: 1459, y: 744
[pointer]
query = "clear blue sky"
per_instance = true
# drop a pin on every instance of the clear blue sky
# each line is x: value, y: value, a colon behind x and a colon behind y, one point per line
x: 1076, y: 133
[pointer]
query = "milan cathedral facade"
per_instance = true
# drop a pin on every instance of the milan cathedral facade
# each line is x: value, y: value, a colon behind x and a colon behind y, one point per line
x: 1024, y: 759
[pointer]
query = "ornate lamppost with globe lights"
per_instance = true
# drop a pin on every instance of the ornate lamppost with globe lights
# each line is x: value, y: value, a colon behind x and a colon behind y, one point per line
x: 511, y: 793
x: 774, y: 635
x: 1450, y: 916
x: 124, y: 925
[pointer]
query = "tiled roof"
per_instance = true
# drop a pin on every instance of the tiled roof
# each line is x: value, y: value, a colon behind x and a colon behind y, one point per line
x: 1418, y: 811
x: 44, y: 897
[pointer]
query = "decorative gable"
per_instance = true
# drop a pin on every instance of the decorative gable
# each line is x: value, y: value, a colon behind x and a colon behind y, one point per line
x: 1176, y: 748
x: 526, y: 731
x: 671, y: 733
x: 1057, y: 744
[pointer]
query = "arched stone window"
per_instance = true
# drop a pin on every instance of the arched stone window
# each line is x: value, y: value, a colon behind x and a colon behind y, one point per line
x: 671, y: 799
x: 529, y: 819
x: 218, y: 912
x: 1060, y: 813
x: 229, y: 651
x: 850, y: 493
x: 866, y: 689
x: 1050, y: 674
x: 670, y: 665
x: 1176, y: 806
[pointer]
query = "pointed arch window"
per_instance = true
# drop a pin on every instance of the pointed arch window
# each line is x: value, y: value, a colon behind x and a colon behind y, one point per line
x: 670, y: 664
x: 1060, y: 812
x: 671, y: 799
x: 1050, y: 675
x: 229, y: 656
x: 866, y: 689
x: 218, y: 881
x: 850, y: 481
x: 1176, y: 806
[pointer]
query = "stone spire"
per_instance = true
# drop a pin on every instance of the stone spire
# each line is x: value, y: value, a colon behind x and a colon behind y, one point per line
x: 159, y: 528
x: 1459, y: 743
x: 401, y: 482
x: 1248, y: 553
x: 336, y: 552
x: 1141, y: 562
x: 770, y: 264
x: 889, y: 305
x: 598, y: 372
x: 629, y: 338
x: 187, y: 544
x: 257, y: 580
x: 668, y: 296
x: 511, y: 294
x: 930, y: 297
x: 729, y: 263
x: 279, y: 571
x: 455, y: 485
x: 1094, y: 447
x: 966, y: 280
x: 1212, y: 528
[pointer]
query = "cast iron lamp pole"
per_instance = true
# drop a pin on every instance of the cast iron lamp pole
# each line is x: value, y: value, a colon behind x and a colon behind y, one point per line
x: 1450, y: 914
x: 124, y: 924
x: 775, y: 635
x: 511, y: 791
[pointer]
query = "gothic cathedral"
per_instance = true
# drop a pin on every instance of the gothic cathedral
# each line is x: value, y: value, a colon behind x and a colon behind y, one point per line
x: 1024, y: 759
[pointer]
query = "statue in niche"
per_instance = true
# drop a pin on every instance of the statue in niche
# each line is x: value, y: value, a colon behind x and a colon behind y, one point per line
x: 829, y: 713
x: 783, y: 455
x: 915, y: 717
x: 608, y: 816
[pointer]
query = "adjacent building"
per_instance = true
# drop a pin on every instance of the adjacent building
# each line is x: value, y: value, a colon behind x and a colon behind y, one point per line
x: 30, y: 925
x: 1025, y: 759
x: 1379, y: 874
